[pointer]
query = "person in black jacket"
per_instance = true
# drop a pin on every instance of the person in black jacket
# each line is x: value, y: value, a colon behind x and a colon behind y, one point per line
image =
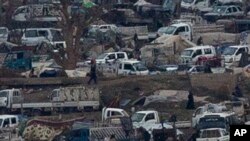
x: 93, y: 72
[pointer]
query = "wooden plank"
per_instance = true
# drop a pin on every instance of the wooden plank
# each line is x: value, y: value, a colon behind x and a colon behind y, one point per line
x: 40, y: 81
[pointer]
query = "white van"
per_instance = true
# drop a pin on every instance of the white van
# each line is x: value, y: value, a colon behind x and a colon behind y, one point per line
x: 111, y: 57
x: 232, y: 54
x: 8, y: 121
x: 35, y: 36
x: 191, y: 55
x: 132, y: 67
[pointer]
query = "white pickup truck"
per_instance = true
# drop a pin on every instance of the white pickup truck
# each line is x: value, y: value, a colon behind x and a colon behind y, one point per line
x: 213, y: 134
x: 132, y: 67
x: 62, y: 99
x: 232, y: 54
x: 148, y: 119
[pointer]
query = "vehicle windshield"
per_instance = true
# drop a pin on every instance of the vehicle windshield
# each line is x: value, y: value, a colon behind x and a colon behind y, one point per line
x: 229, y: 51
x: 3, y: 31
x: 162, y: 30
x: 187, y: 53
x: 212, y: 122
x: 188, y: 1
x: 3, y: 93
x: 140, y: 67
x: 170, y: 30
x: 219, y: 9
x: 137, y: 117
x: 102, y: 56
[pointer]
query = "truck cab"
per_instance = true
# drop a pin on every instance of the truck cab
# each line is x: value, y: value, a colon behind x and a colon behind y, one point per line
x: 141, y: 118
x: 111, y: 57
x: 191, y: 55
x: 8, y: 96
x: 113, y: 115
x: 7, y: 121
x: 232, y: 54
x: 132, y: 67
x: 182, y: 29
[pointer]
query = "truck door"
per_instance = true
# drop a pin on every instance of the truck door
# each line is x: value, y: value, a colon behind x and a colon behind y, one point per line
x: 13, y: 122
x: 184, y: 32
x: 196, y: 116
x: 150, y: 118
x: 239, y: 54
x: 196, y: 55
x: 110, y: 58
x: 128, y: 69
x: 6, y: 122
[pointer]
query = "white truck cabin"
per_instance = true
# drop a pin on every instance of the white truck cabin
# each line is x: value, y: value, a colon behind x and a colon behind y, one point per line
x: 232, y: 54
x: 145, y: 117
x: 111, y: 57
x: 8, y: 121
x: 113, y: 113
x: 191, y: 55
x: 132, y: 67
x: 8, y: 96
x: 182, y: 29
x: 213, y: 134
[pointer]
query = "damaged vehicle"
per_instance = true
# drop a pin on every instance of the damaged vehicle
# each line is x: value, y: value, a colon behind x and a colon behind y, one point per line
x: 224, y: 12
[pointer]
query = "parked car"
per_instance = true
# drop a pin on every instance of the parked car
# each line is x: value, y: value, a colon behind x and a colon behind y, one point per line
x: 35, y: 36
x: 222, y: 12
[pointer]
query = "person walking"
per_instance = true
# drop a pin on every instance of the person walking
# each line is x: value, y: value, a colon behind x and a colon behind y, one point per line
x: 93, y: 72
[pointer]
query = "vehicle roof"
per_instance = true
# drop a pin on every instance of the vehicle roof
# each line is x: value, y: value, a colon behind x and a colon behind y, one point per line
x: 130, y: 61
x: 7, y: 116
x: 180, y: 24
x: 42, y: 28
x: 116, y: 109
x: 146, y: 112
x: 114, y: 52
x: 200, y: 47
x: 223, y: 114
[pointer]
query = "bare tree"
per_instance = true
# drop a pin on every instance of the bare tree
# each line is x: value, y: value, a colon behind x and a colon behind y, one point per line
x: 73, y: 24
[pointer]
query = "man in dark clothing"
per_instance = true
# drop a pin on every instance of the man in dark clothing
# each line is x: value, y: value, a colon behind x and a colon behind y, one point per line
x: 200, y: 41
x: 93, y: 72
x: 190, y: 103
